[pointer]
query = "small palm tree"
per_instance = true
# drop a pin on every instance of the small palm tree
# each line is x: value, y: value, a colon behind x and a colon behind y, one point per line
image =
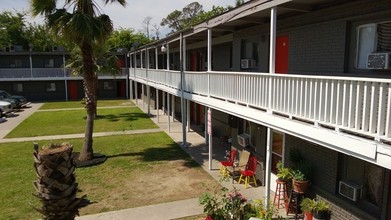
x: 81, y: 23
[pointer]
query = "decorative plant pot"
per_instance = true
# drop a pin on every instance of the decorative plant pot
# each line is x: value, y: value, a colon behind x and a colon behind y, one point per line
x: 319, y: 215
x: 300, y: 186
x: 308, y: 215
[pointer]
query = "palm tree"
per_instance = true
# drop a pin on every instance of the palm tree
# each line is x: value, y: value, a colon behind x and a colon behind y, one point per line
x: 81, y: 23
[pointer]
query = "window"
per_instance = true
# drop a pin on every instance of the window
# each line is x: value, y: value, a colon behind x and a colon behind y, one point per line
x: 375, y: 37
x: 277, y: 150
x: 247, y: 128
x: 16, y: 63
x: 108, y: 86
x: 49, y: 63
x: 18, y: 87
x: 369, y: 176
x: 51, y: 87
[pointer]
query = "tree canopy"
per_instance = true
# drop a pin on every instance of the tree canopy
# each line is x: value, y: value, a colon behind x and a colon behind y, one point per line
x: 190, y: 15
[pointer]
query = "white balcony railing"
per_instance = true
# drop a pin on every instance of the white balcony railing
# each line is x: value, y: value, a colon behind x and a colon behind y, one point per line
x: 361, y: 106
x: 13, y: 73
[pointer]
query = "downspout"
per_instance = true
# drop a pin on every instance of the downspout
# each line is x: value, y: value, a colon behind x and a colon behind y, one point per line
x: 273, y: 24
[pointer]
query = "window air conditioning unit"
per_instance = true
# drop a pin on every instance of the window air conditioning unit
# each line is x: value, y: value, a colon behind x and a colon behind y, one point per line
x: 350, y: 190
x: 378, y: 61
x: 247, y: 63
x: 243, y: 140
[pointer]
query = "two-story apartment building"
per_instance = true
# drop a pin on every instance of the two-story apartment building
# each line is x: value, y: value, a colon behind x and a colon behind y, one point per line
x: 43, y: 76
x: 288, y: 76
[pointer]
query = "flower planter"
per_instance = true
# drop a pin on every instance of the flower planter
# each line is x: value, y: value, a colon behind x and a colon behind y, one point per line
x: 308, y: 215
x: 319, y: 215
x: 300, y: 186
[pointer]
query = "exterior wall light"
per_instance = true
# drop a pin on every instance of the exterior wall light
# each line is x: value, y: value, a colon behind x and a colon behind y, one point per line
x: 163, y: 49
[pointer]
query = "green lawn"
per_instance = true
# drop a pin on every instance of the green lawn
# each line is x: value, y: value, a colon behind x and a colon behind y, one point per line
x: 79, y: 104
x: 43, y: 123
x: 141, y: 169
x: 130, y: 158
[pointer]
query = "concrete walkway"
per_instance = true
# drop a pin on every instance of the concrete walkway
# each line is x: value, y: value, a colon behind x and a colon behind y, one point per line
x: 195, y: 147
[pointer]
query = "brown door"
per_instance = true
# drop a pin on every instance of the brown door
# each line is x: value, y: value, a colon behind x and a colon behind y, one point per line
x: 282, y: 49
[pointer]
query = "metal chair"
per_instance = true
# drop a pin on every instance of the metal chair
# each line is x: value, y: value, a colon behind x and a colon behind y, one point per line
x: 249, y: 172
x: 228, y: 163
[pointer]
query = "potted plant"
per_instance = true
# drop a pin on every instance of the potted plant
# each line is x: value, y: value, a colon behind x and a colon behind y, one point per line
x: 283, y: 173
x: 307, y: 206
x: 320, y: 209
x: 299, y: 181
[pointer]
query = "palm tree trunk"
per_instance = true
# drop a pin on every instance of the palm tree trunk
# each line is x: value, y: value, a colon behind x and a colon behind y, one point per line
x: 56, y: 185
x: 90, y: 101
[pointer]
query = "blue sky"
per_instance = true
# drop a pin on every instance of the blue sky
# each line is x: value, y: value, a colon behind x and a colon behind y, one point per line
x: 133, y: 14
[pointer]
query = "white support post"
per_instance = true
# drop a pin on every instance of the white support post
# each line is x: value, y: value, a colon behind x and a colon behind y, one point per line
x: 272, y: 56
x: 164, y: 102
x: 272, y: 62
x: 65, y: 76
x: 209, y: 128
x: 135, y: 82
x: 146, y: 74
x: 209, y: 57
x: 131, y: 81
x: 142, y: 96
x: 184, y: 57
x: 269, y: 140
x: 173, y: 108
x: 157, y: 105
x: 206, y: 125
x: 141, y: 59
x: 168, y: 112
x: 156, y: 59
x: 182, y: 87
x: 188, y: 115
x: 168, y: 56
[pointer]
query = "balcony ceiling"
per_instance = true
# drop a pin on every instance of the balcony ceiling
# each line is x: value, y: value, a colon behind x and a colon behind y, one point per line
x: 256, y: 12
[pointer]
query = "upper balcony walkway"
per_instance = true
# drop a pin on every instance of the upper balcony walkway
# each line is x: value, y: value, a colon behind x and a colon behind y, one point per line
x: 358, y: 109
x: 12, y: 74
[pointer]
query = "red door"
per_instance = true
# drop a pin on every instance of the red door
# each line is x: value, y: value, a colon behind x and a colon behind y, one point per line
x: 72, y: 90
x: 282, y: 48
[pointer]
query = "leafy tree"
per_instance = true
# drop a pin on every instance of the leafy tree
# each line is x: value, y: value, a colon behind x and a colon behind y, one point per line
x: 125, y: 38
x: 173, y: 21
x: 84, y: 26
x: 12, y: 29
x: 190, y: 15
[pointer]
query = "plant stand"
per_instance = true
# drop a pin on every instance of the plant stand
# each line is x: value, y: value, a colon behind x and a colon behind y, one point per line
x: 293, y: 204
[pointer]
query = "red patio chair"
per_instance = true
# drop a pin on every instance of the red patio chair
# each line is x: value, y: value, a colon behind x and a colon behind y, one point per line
x: 249, y: 172
x: 227, y: 163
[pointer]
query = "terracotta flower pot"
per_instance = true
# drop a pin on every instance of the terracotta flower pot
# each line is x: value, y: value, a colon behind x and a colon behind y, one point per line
x: 307, y: 215
x: 300, y: 186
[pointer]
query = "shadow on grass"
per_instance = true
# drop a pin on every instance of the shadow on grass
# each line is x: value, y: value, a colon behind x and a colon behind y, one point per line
x: 131, y: 116
x: 170, y: 153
